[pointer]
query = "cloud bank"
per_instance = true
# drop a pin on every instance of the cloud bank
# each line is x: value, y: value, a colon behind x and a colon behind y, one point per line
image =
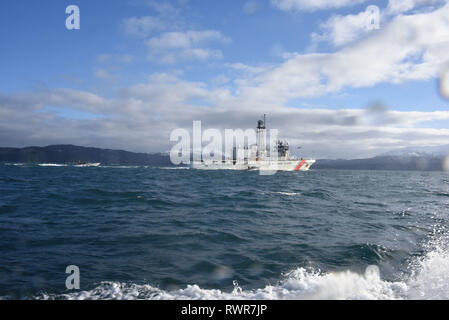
x: 140, y: 117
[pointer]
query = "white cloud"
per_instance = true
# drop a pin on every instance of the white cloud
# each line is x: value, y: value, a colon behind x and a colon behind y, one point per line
x: 168, y: 37
x: 143, y: 26
x: 243, y: 67
x: 165, y: 17
x: 163, y: 7
x: 172, y: 47
x: 410, y: 47
x: 402, y: 6
x: 341, y: 30
x: 313, y: 5
x: 221, y: 79
x: 183, y: 40
x: 105, y: 75
x: 142, y: 116
x: 277, y: 50
x: 69, y: 98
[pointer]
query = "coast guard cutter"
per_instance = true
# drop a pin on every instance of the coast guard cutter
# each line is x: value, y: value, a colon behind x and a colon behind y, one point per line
x: 258, y: 156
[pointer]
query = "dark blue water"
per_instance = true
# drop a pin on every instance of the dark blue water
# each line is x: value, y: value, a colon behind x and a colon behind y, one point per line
x: 156, y: 233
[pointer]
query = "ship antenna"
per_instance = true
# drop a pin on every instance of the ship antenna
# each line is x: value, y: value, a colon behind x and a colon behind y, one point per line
x: 264, y: 120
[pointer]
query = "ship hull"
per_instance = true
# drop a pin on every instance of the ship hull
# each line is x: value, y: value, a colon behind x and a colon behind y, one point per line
x: 285, y: 165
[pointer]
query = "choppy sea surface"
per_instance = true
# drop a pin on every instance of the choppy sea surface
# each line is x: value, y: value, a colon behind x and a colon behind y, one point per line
x: 161, y: 233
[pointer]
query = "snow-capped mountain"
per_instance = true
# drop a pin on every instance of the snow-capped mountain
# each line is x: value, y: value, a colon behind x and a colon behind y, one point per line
x: 435, y: 151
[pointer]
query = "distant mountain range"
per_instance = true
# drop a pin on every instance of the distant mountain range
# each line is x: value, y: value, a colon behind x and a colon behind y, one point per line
x: 413, y: 158
x: 427, y: 158
x: 432, y: 163
x: 64, y: 154
x: 426, y: 152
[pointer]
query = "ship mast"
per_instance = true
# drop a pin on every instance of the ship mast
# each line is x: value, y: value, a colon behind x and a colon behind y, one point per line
x: 261, y: 136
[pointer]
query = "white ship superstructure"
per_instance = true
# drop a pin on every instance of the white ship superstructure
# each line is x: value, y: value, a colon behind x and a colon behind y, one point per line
x: 258, y: 156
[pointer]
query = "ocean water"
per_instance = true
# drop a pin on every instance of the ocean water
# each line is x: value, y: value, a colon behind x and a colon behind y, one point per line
x: 161, y: 233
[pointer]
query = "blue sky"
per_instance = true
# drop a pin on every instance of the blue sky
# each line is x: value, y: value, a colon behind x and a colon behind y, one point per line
x: 138, y: 69
x: 40, y: 49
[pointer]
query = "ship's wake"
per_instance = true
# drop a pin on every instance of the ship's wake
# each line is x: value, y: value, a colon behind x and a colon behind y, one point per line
x: 429, y: 279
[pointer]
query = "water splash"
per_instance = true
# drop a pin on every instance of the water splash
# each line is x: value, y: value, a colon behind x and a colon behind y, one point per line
x: 430, y: 280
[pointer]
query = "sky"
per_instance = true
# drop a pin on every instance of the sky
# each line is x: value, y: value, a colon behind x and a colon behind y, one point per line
x: 136, y: 70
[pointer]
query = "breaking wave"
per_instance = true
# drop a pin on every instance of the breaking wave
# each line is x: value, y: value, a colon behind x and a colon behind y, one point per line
x: 428, y: 280
x: 51, y: 165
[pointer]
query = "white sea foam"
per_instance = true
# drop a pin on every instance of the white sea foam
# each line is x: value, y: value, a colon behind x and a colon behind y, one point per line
x: 51, y: 165
x: 290, y: 194
x: 286, y: 193
x: 124, y: 167
x: 431, y: 280
x: 428, y: 280
x: 298, y: 284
